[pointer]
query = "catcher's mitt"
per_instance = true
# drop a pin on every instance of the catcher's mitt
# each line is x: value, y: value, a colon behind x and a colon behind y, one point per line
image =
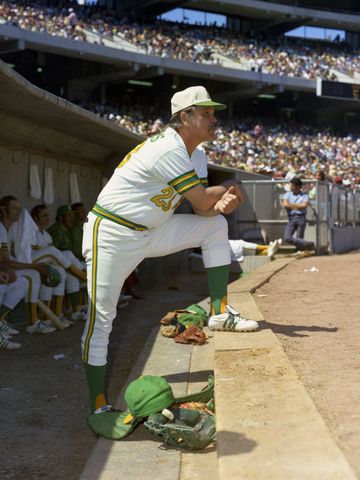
x: 193, y: 335
x: 189, y: 429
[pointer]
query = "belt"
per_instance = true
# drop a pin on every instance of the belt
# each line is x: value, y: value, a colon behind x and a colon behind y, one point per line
x: 103, y: 213
x: 299, y: 215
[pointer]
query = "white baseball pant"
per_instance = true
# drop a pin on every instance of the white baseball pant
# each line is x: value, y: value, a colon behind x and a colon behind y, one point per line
x: 12, y: 294
x: 34, y: 284
x: 112, y: 252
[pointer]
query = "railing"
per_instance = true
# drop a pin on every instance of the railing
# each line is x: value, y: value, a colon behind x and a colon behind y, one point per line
x: 345, y: 206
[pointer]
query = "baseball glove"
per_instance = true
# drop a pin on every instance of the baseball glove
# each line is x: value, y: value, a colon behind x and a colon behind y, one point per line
x: 188, y: 429
x: 193, y: 335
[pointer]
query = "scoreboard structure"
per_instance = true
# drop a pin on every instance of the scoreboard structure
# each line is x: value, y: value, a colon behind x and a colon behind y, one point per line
x: 338, y: 90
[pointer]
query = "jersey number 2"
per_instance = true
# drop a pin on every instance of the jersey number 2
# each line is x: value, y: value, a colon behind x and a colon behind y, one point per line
x: 165, y: 199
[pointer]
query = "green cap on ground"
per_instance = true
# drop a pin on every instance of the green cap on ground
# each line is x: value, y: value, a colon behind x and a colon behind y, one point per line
x: 148, y: 394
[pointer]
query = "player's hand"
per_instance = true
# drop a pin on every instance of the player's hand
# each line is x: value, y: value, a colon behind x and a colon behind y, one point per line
x: 236, y: 191
x: 4, y: 278
x: 228, y: 202
x: 42, y: 269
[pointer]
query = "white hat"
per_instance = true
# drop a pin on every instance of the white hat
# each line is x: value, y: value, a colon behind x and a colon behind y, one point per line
x: 193, y: 96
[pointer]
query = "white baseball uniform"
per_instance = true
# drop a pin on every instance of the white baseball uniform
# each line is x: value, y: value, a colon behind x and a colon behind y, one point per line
x: 44, y: 251
x: 12, y: 294
x: 133, y: 219
x: 32, y: 276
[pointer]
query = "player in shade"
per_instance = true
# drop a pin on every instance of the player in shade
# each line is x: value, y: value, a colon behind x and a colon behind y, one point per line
x: 134, y: 219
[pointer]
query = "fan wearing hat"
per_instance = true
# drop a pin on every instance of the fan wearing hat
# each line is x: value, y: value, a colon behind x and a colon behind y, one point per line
x: 134, y: 219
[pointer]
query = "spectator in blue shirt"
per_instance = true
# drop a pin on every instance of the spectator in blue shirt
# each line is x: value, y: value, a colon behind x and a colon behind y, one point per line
x: 296, y: 203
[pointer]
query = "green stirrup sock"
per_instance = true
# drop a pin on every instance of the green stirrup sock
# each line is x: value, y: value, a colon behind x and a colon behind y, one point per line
x: 218, y: 280
x: 74, y: 300
x: 96, y: 383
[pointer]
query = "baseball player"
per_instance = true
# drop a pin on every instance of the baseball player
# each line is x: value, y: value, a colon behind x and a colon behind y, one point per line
x: 61, y: 239
x: 65, y: 262
x: 134, y: 219
x: 10, y: 211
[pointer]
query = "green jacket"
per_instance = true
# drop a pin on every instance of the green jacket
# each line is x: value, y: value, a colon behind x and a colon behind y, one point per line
x: 61, y: 236
x: 76, y: 234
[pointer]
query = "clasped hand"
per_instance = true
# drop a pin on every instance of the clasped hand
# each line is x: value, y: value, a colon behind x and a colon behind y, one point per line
x: 230, y: 201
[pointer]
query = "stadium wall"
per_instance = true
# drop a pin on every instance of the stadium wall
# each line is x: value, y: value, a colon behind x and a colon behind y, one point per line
x: 15, y: 166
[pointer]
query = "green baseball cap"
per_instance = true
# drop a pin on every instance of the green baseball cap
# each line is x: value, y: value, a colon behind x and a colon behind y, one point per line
x: 148, y: 394
x: 63, y: 210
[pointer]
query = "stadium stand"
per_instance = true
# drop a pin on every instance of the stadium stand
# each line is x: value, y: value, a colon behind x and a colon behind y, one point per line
x: 259, y: 144
x: 201, y: 44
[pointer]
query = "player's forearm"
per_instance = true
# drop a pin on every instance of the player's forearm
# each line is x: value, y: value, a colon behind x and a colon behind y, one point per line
x: 204, y: 199
x: 208, y: 213
x: 297, y: 206
x: 21, y: 265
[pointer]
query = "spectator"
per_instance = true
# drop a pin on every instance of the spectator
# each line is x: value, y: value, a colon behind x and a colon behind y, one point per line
x: 296, y: 203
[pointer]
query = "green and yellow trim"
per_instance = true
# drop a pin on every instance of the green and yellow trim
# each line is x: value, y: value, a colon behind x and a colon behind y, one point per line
x: 50, y: 258
x: 93, y: 289
x: 103, y: 213
x: 185, y: 182
x: 204, y: 182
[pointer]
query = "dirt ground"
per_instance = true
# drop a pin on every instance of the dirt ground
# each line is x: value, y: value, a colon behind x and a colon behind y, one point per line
x: 44, y: 401
x: 315, y: 315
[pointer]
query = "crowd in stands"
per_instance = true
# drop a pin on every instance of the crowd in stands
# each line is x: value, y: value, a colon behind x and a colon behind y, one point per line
x: 273, y: 147
x: 196, y: 43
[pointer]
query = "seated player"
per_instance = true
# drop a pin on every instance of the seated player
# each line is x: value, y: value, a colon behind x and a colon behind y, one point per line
x: 64, y: 261
x: 10, y: 211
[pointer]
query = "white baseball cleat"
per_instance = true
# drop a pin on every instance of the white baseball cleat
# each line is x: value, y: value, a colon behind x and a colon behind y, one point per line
x: 7, y: 344
x: 231, y: 321
x: 5, y: 328
x: 274, y: 247
x: 40, y: 328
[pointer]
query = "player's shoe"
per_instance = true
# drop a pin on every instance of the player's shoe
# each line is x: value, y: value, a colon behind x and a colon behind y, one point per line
x: 274, y: 247
x: 40, y: 328
x: 5, y: 328
x: 75, y: 316
x: 6, y: 344
x: 231, y: 321
x: 67, y: 323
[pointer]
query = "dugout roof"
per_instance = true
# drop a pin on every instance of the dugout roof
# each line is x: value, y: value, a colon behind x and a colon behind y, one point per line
x: 37, y: 120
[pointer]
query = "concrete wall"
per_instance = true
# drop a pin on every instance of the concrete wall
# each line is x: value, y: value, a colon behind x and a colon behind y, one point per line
x: 345, y: 239
x: 14, y: 178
